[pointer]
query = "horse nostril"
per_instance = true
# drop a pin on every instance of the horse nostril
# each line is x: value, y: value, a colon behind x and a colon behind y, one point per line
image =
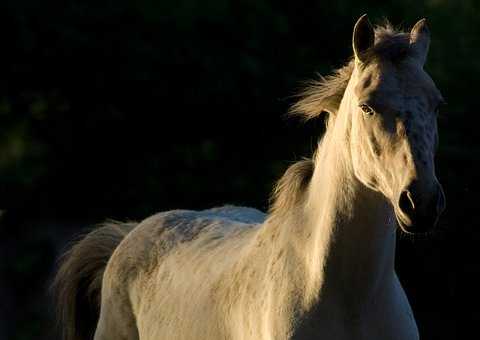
x: 406, y: 203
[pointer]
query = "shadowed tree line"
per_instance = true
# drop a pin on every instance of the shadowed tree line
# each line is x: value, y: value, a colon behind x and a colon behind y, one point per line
x: 123, y: 108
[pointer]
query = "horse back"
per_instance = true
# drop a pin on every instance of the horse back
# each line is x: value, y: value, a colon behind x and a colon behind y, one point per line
x: 173, y: 261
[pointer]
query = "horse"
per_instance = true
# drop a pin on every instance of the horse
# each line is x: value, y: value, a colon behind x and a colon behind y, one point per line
x: 320, y: 263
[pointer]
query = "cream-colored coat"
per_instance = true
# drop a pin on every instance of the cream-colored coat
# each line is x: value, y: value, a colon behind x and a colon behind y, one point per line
x: 319, y: 266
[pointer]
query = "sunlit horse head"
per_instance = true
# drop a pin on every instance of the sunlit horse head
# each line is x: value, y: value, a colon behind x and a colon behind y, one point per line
x: 392, y: 109
x: 394, y: 128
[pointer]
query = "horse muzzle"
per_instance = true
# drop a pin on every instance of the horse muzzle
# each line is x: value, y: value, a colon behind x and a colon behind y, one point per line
x: 418, y: 212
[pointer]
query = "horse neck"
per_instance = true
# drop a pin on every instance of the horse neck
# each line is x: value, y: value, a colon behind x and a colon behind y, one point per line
x: 348, y: 235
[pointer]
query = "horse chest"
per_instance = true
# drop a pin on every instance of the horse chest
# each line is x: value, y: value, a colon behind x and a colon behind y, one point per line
x: 390, y: 318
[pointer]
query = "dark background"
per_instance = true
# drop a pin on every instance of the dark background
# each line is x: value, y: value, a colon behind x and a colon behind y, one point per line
x: 123, y: 108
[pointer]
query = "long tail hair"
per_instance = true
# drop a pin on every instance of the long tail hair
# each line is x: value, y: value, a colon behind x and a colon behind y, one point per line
x: 78, y: 282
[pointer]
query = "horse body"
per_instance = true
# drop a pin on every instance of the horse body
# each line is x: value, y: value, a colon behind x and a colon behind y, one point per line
x: 325, y: 269
x: 238, y: 282
x: 320, y: 265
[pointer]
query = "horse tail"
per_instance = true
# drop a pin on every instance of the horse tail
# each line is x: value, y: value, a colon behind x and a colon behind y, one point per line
x: 78, y: 282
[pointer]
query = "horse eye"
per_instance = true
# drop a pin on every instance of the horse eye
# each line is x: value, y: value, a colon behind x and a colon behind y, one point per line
x: 367, y: 109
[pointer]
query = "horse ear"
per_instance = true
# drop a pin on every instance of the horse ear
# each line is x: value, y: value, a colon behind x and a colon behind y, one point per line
x: 363, y: 37
x: 420, y: 41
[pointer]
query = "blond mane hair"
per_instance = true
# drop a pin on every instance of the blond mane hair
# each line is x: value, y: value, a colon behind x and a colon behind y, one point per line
x: 324, y: 95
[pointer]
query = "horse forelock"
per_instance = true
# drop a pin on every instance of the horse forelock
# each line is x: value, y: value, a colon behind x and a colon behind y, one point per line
x: 325, y: 93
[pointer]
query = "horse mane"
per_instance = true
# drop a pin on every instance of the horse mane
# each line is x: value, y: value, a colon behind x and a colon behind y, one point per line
x: 290, y: 186
x: 324, y: 95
